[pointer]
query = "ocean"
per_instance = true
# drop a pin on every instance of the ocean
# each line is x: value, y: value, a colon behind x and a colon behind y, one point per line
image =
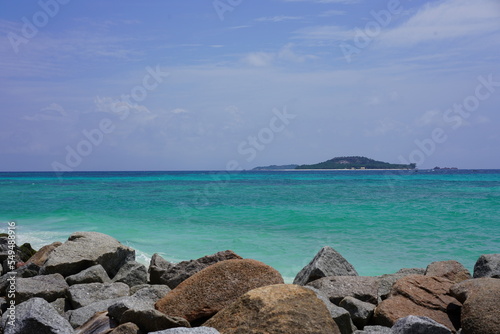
x: 380, y: 221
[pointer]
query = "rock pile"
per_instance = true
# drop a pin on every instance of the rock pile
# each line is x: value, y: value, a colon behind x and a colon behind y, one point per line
x: 91, y: 284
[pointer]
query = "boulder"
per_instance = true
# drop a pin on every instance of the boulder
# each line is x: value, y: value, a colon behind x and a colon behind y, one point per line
x: 488, y: 265
x: 327, y: 262
x: 340, y: 315
x: 94, y: 274
x: 426, y: 296
x: 153, y: 320
x: 418, y: 325
x: 81, y: 315
x: 60, y: 305
x: 411, y: 271
x: 361, y: 312
x: 183, y: 330
x: 210, y: 290
x: 132, y: 273
x: 157, y: 267
x: 43, y: 253
x: 29, y: 270
x: 481, y: 310
x: 100, y: 323
x: 86, y: 249
x: 336, y: 288
x: 174, y: 274
x: 81, y: 295
x: 452, y: 270
x: 48, y: 287
x: 461, y: 291
x: 374, y: 330
x: 282, y: 308
x: 126, y: 328
x: 35, y: 316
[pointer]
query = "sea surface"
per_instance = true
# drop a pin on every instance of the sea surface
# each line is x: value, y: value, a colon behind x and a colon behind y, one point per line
x: 380, y: 221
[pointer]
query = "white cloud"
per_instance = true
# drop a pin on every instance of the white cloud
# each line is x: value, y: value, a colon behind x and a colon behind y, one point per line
x: 446, y: 20
x: 324, y: 33
x: 259, y: 59
x: 279, y: 18
x: 178, y: 111
x: 332, y: 12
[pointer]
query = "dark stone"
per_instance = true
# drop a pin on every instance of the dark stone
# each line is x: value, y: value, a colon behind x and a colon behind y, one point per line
x: 327, y: 262
x: 361, y: 312
x: 157, y: 267
x: 82, y: 295
x: 126, y: 328
x: 48, y: 287
x: 36, y: 316
x: 374, y: 330
x: 81, y: 315
x: 153, y: 320
x: 488, y: 265
x: 132, y: 273
x: 94, y: 274
x: 100, y: 323
x: 418, y: 325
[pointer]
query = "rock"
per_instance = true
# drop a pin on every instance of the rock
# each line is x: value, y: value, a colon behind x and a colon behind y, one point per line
x: 488, y: 265
x: 419, y: 295
x: 361, y: 312
x: 94, y: 274
x: 210, y: 290
x: 374, y: 330
x: 86, y: 249
x: 461, y: 291
x: 411, y: 271
x: 327, y: 262
x: 481, y: 310
x: 81, y: 315
x: 98, y: 324
x: 157, y: 267
x: 81, y: 295
x: 48, y: 287
x: 29, y: 270
x: 35, y: 316
x: 364, y: 288
x: 282, y: 308
x: 42, y: 255
x: 173, y: 275
x: 60, y: 305
x: 153, y: 320
x: 452, y: 270
x: 126, y: 328
x: 340, y: 315
x: 182, y: 330
x: 132, y: 273
x: 387, y: 281
x: 418, y: 325
x: 152, y: 292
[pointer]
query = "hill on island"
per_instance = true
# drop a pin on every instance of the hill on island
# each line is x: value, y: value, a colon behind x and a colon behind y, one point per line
x: 355, y: 163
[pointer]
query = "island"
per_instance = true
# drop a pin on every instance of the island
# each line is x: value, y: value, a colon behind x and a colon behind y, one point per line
x: 353, y: 162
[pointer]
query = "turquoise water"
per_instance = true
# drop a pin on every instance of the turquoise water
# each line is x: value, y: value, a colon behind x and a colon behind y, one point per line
x: 379, y: 221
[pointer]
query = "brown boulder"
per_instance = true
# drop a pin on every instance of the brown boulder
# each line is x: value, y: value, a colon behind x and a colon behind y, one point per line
x: 210, y: 290
x: 419, y: 295
x: 452, y: 270
x: 481, y: 310
x: 283, y: 308
x: 461, y: 291
x: 43, y: 253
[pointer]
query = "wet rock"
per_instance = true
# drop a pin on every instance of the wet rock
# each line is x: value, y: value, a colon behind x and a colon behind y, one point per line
x: 327, y: 262
x: 210, y: 290
x: 282, y: 308
x: 94, y: 274
x: 452, y: 270
x: 488, y: 265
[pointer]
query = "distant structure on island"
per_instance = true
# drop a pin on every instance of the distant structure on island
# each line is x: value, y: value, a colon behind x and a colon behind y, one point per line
x: 344, y: 163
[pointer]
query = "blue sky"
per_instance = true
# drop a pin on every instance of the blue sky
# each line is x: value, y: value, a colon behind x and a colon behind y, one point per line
x: 234, y: 84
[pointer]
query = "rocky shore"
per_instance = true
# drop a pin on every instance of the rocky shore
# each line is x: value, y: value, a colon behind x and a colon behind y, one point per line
x: 91, y: 284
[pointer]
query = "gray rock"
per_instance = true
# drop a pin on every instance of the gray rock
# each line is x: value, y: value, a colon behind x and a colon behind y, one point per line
x: 340, y: 315
x: 153, y: 320
x: 142, y: 300
x: 29, y: 270
x: 336, y: 288
x: 411, y: 271
x: 418, y: 325
x: 374, y: 330
x: 183, y: 330
x: 94, y: 274
x: 60, y: 305
x: 81, y: 295
x: 157, y: 267
x: 488, y: 265
x: 48, y: 287
x: 173, y: 275
x: 361, y: 312
x: 327, y: 262
x: 86, y: 249
x: 81, y: 315
x: 132, y: 273
x: 36, y: 316
x: 388, y: 280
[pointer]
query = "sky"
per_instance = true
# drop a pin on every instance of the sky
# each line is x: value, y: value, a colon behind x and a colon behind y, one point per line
x: 235, y: 84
